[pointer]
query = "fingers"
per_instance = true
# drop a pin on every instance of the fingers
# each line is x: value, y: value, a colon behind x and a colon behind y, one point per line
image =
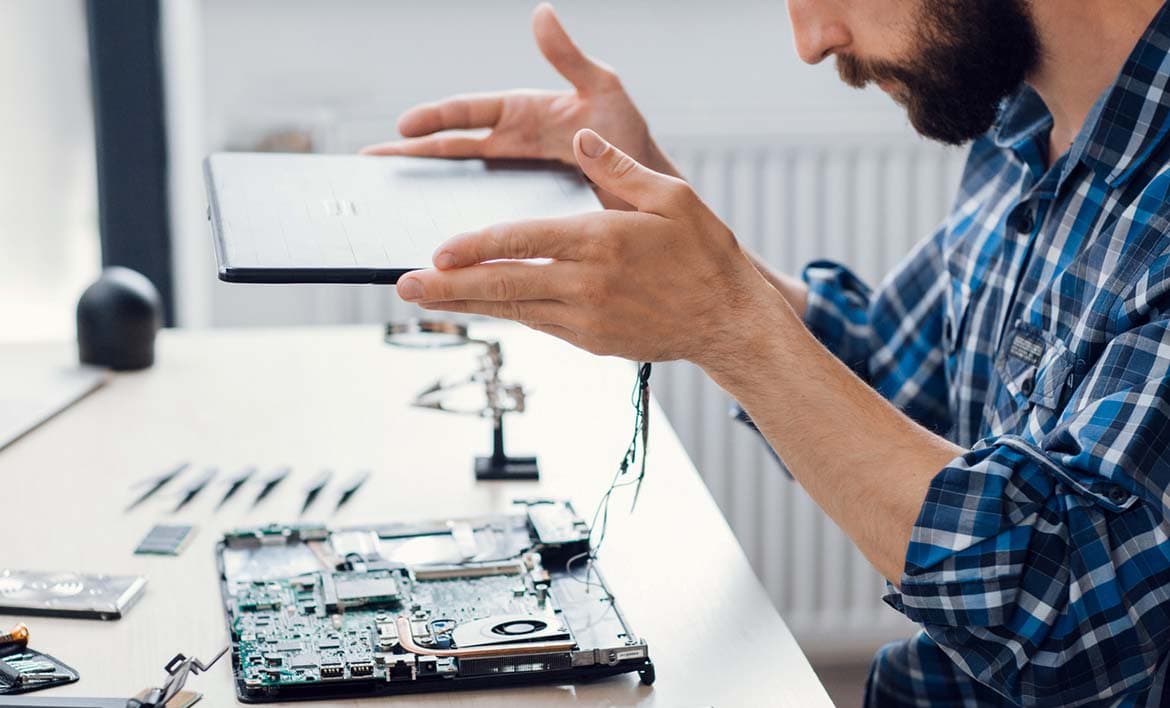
x: 534, y: 313
x: 457, y: 112
x: 432, y: 146
x: 557, y: 331
x: 559, y: 49
x: 542, y: 316
x: 622, y: 176
x: 560, y: 238
x: 499, y: 281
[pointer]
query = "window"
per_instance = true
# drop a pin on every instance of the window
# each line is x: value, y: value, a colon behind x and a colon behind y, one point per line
x: 49, y: 245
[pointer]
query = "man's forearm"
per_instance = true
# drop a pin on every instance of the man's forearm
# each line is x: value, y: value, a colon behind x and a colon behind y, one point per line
x: 793, y: 289
x: 864, y: 462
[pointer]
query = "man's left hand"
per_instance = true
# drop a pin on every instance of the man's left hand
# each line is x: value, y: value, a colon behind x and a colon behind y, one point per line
x: 668, y: 281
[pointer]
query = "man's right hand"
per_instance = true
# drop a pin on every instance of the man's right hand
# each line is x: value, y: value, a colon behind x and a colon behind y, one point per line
x: 533, y: 124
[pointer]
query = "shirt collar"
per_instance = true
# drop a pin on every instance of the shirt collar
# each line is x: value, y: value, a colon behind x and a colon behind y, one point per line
x: 1022, y: 117
x: 1131, y: 118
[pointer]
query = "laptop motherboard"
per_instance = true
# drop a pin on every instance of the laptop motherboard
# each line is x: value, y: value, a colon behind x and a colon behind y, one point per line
x: 495, y: 600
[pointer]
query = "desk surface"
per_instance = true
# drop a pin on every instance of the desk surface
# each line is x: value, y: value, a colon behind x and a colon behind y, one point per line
x: 338, y: 398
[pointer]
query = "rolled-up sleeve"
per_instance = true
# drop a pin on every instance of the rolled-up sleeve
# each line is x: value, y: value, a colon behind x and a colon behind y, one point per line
x: 838, y: 314
x: 892, y: 337
x: 1040, y: 564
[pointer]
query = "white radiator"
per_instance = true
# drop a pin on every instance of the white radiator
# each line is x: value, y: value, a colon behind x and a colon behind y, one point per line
x: 863, y: 202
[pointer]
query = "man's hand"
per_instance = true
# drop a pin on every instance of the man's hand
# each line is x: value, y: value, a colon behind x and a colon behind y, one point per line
x: 541, y: 124
x: 532, y: 124
x: 668, y: 281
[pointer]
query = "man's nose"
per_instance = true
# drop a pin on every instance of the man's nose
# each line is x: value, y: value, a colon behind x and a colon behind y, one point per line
x: 817, y: 31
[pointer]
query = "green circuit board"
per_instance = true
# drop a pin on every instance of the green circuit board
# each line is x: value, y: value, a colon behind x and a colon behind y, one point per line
x: 340, y: 626
x: 316, y: 613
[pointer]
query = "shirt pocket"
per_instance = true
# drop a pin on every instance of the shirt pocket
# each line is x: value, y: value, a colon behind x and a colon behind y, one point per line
x: 1035, y: 366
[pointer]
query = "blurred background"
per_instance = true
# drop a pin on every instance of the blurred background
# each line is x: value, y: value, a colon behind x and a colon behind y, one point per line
x: 110, y: 106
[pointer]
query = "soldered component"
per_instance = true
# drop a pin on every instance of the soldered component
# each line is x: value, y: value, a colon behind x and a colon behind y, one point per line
x: 362, y: 591
x: 387, y: 630
x: 361, y: 668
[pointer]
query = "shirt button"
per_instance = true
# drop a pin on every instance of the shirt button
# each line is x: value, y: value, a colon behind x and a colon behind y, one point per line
x: 1024, y: 221
x: 1117, y: 495
x: 1027, y: 386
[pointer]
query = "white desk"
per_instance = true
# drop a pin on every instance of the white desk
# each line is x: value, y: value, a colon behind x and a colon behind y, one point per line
x: 338, y: 398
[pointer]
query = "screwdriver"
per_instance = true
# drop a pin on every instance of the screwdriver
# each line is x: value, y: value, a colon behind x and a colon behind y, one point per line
x: 234, y: 484
x: 313, y: 489
x: 271, y: 483
x: 194, y: 487
x: 352, y: 485
x: 158, y: 483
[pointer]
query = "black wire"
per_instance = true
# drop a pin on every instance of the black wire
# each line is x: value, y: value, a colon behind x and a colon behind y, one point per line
x: 640, y: 399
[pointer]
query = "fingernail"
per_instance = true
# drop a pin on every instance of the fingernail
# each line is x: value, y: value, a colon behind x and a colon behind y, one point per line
x: 591, y: 143
x: 444, y: 260
x: 410, y: 289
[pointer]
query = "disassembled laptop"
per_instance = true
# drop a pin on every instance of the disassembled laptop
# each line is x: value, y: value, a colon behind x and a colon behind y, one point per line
x: 495, y: 600
x: 314, y: 612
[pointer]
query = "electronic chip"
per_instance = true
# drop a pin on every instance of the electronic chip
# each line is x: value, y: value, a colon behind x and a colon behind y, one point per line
x: 166, y: 540
x: 303, y: 661
x: 363, y: 591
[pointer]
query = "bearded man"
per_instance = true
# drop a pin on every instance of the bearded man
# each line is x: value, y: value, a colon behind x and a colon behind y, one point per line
x: 991, y: 426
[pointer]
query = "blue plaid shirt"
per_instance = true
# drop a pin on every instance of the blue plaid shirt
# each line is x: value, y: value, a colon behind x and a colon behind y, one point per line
x: 1033, y: 329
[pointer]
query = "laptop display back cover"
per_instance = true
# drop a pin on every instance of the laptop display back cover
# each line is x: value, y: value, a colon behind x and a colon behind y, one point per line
x: 294, y: 218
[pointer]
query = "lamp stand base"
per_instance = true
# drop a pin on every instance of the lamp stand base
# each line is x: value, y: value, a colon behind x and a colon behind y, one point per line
x: 493, y: 468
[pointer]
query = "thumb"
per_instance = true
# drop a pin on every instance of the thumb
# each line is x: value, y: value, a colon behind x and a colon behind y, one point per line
x: 624, y: 177
x: 559, y: 49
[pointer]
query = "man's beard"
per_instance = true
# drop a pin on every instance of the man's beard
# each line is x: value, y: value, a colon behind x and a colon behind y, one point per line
x: 970, y: 55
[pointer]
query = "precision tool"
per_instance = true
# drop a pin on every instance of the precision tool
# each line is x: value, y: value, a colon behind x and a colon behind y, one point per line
x: 351, y: 487
x: 170, y: 695
x: 177, y: 670
x: 29, y: 670
x: 313, y: 489
x: 234, y: 483
x: 270, y: 483
x: 194, y: 487
x: 156, y: 483
x: 500, y: 397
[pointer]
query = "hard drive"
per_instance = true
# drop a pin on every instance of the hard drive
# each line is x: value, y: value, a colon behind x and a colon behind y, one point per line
x: 67, y: 594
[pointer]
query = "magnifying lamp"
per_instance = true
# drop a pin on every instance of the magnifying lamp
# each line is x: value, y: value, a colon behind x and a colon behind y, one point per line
x: 426, y: 334
x: 500, y: 398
